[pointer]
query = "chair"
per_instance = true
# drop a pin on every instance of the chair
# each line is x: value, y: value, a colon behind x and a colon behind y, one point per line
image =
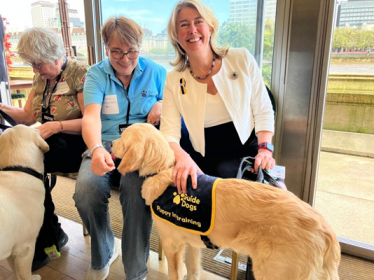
x: 19, y: 98
x: 235, y: 257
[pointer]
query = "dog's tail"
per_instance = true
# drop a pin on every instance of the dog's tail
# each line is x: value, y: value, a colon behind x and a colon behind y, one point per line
x: 332, y: 255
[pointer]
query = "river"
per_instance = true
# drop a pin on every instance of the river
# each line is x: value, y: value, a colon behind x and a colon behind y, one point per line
x: 335, y: 68
x: 351, y: 68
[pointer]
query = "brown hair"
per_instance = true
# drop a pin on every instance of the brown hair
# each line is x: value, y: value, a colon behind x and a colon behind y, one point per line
x: 124, y: 29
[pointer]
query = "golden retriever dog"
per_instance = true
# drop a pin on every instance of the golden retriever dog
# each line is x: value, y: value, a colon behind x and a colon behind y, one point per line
x: 21, y: 196
x: 285, y: 237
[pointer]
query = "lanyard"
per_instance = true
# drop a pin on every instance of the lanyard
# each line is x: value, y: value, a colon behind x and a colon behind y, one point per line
x: 128, y: 107
x: 46, y: 92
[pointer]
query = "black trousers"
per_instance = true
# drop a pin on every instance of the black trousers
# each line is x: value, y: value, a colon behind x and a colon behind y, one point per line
x: 65, y: 156
x: 223, y: 150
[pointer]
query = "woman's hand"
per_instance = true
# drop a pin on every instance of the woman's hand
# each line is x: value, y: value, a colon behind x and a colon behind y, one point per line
x: 155, y: 114
x: 264, y: 158
x: 49, y: 128
x: 184, y: 167
x: 101, y: 162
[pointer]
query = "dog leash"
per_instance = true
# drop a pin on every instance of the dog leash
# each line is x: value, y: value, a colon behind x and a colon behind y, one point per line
x: 26, y: 170
x: 262, y: 174
x: 9, y: 119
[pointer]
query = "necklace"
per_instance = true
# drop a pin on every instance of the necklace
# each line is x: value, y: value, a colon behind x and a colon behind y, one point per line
x: 203, y: 77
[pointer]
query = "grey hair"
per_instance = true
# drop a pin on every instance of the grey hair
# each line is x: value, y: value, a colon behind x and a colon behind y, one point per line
x: 40, y: 44
x: 207, y: 14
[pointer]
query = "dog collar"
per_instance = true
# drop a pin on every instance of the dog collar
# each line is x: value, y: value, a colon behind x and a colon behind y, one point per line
x: 26, y: 170
x: 150, y: 175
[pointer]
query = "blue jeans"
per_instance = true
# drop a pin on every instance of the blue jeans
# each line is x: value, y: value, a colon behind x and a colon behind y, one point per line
x: 91, y: 197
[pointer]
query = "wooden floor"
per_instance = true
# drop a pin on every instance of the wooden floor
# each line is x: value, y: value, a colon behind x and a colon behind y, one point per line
x: 75, y: 259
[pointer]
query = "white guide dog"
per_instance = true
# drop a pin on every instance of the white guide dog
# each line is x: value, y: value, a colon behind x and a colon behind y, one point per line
x: 21, y: 197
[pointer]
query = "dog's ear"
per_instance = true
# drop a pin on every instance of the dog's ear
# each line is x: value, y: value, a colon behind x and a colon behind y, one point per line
x: 40, y: 142
x: 132, y: 158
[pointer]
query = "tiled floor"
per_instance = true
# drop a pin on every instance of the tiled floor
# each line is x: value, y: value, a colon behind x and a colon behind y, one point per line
x: 75, y: 258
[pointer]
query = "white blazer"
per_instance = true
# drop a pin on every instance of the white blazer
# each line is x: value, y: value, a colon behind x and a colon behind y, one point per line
x: 240, y: 85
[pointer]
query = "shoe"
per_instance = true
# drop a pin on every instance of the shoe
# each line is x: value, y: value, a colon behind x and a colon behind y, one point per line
x: 62, y: 239
x: 40, y: 260
x: 103, y: 273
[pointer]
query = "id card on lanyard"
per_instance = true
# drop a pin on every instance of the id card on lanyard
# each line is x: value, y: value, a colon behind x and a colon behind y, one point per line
x: 47, y: 95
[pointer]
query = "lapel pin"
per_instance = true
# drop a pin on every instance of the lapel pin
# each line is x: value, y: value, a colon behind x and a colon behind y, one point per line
x: 234, y: 75
x: 183, y: 86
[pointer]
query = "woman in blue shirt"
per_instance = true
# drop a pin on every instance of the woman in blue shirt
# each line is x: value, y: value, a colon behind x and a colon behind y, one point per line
x: 119, y: 91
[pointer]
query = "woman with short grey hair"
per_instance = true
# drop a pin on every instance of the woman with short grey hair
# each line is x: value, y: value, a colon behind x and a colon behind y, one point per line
x: 30, y: 49
x: 55, y: 101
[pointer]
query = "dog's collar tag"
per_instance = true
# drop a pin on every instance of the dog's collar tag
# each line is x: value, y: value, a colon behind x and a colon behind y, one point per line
x: 52, y: 252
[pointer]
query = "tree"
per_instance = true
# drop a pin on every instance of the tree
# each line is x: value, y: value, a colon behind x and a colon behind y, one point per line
x: 241, y: 35
x: 352, y: 38
x: 237, y: 35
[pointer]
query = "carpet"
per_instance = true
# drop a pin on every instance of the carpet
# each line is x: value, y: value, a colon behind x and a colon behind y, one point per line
x: 350, y: 267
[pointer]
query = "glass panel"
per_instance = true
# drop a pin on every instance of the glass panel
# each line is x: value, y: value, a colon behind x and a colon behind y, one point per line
x: 346, y: 172
x: 22, y: 14
x: 237, y: 26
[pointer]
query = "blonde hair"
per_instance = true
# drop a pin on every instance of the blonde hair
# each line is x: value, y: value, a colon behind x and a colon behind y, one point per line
x: 208, y: 15
x: 127, y: 31
x: 40, y: 44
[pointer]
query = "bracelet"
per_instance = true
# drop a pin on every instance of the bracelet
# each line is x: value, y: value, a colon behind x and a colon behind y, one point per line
x: 95, y: 147
x: 62, y: 128
x: 160, y: 101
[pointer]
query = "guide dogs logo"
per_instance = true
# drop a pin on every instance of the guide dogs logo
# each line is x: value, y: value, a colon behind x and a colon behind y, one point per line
x: 189, y: 202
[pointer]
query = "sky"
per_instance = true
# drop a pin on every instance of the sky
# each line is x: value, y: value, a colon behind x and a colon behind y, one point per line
x: 18, y: 12
x: 152, y: 14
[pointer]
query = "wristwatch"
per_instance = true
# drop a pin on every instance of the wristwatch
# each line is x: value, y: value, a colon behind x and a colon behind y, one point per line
x: 267, y: 146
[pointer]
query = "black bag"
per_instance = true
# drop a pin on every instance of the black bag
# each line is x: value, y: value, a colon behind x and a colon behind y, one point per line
x: 65, y: 153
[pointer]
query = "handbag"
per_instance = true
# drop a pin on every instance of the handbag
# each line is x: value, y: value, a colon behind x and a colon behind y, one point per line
x: 65, y: 153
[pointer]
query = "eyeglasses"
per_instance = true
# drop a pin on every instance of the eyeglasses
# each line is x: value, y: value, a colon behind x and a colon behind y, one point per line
x: 121, y: 54
x: 34, y: 65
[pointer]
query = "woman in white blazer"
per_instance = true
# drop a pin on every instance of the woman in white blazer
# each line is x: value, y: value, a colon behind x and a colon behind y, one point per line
x: 220, y: 95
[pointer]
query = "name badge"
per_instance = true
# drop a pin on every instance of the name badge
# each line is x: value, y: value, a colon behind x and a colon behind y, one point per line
x: 278, y: 172
x: 62, y: 88
x: 122, y: 127
x: 110, y: 105
x: 47, y: 118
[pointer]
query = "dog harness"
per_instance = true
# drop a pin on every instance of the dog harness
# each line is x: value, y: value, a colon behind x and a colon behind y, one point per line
x: 26, y: 170
x: 193, y: 212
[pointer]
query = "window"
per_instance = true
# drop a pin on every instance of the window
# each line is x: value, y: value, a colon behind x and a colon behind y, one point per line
x: 237, y: 26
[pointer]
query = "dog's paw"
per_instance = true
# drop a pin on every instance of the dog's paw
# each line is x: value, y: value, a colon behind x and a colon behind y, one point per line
x: 36, y: 277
